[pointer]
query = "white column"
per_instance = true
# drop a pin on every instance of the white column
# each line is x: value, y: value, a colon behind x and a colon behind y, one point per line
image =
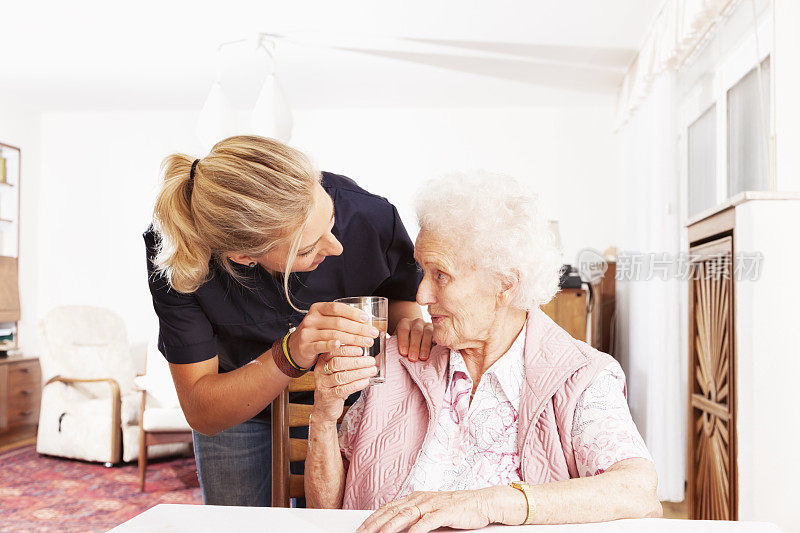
x: 786, y: 62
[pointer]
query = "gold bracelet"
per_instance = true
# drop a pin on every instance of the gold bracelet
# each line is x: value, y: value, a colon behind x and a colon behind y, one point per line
x: 526, y: 490
x: 288, y: 354
x: 285, y: 351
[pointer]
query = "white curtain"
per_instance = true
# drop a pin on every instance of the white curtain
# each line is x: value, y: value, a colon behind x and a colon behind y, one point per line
x: 650, y: 339
x: 679, y: 31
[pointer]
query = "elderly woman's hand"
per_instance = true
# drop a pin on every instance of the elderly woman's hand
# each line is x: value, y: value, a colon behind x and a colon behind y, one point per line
x: 425, y: 511
x: 414, y: 338
x: 337, y: 376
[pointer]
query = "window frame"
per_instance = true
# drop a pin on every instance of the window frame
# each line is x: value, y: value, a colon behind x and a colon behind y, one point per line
x: 711, y: 89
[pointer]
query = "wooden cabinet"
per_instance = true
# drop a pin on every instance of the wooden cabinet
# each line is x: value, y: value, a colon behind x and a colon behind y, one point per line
x: 712, y: 486
x: 744, y: 362
x: 603, y: 310
x: 568, y: 310
x: 20, y: 394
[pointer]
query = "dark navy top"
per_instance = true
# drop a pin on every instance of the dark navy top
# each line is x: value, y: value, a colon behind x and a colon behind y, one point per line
x: 239, y: 321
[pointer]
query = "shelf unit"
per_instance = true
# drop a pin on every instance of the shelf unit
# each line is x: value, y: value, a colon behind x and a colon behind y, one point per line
x: 10, y: 165
x: 10, y: 159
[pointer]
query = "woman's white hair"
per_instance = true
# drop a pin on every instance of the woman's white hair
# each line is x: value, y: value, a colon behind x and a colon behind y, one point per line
x: 493, y: 225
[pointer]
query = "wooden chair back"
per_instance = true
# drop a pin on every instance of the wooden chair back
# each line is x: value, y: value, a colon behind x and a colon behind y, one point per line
x: 286, y: 449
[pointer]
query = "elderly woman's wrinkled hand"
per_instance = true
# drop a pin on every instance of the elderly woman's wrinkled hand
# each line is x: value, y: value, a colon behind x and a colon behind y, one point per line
x: 414, y: 338
x: 425, y: 511
x: 338, y: 375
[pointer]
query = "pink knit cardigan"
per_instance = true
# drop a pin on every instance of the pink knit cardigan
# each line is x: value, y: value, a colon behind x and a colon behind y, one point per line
x: 400, y: 414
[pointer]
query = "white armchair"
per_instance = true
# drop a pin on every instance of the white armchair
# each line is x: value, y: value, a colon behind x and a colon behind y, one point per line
x: 88, y: 392
x: 164, y: 429
x: 90, y: 406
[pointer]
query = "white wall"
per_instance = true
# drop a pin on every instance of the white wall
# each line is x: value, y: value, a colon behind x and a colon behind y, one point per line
x: 567, y: 155
x: 787, y: 86
x: 100, y: 174
x: 649, y: 335
x: 20, y: 126
x: 767, y: 365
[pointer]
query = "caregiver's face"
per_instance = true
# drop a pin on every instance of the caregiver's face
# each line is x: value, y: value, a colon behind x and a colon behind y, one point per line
x: 462, y: 302
x: 316, y: 243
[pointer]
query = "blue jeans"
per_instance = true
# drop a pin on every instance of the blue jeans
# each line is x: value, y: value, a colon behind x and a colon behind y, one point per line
x: 235, y: 465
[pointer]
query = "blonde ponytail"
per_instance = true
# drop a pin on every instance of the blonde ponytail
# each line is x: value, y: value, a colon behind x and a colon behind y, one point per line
x: 182, y: 255
x: 246, y: 195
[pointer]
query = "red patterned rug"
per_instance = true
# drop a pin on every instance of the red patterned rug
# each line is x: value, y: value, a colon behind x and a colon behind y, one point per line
x: 41, y: 493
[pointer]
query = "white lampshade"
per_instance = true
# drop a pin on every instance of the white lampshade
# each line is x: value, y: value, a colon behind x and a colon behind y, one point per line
x: 217, y: 119
x: 272, y: 116
x: 553, y: 226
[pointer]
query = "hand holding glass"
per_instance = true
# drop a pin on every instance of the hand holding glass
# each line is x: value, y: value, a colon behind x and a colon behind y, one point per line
x: 377, y: 307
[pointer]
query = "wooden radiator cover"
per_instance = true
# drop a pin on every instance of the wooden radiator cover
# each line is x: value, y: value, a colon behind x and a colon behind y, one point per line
x: 712, y: 485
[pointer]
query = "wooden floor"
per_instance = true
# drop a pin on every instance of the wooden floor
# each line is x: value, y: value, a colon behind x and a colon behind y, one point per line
x: 18, y: 437
x: 675, y: 510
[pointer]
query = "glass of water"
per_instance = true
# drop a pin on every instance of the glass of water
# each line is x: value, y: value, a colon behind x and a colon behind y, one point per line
x: 377, y: 308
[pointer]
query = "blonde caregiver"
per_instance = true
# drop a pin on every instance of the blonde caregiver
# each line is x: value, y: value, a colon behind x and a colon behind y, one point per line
x: 228, y: 230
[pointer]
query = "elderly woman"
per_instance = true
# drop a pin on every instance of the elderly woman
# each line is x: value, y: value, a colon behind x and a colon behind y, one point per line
x: 509, y: 420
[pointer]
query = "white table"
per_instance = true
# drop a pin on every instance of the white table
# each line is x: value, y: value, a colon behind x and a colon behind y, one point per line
x: 211, y: 518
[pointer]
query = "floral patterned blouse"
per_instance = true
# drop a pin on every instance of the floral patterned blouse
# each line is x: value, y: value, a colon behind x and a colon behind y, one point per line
x: 474, y: 445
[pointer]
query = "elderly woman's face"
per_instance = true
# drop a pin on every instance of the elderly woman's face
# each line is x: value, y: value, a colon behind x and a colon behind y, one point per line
x: 462, y: 302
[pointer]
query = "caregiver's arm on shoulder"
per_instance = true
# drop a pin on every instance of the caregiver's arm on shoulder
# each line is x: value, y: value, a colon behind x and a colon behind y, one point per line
x: 626, y: 489
x: 213, y: 402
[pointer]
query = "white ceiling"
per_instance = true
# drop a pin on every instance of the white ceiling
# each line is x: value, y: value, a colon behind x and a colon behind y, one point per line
x: 94, y: 55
